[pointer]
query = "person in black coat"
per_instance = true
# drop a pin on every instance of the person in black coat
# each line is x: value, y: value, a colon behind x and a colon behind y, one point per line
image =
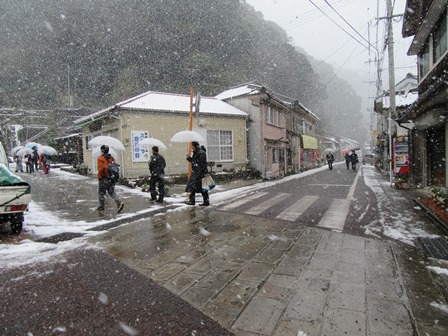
x: 198, y: 170
x: 330, y: 160
x: 354, y: 159
x: 157, y: 169
x: 347, y: 160
x: 35, y: 159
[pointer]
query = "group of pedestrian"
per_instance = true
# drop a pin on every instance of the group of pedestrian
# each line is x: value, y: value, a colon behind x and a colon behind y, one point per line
x: 33, y: 162
x: 349, y: 159
x: 198, y: 160
x: 157, y: 164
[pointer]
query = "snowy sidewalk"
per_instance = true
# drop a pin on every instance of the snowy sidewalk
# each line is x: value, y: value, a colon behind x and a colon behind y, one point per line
x: 253, y: 275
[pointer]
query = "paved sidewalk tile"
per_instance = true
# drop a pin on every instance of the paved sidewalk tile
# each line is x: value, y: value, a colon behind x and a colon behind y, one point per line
x: 260, y: 316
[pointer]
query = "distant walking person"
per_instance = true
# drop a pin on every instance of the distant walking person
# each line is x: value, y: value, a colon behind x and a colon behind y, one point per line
x: 157, y: 169
x: 18, y: 160
x: 35, y: 158
x: 28, y: 158
x: 354, y: 159
x: 347, y: 160
x: 198, y: 171
x: 330, y: 160
x: 105, y: 184
x: 43, y: 159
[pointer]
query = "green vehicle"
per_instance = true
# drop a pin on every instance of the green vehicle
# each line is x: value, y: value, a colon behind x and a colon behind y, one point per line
x: 15, y: 195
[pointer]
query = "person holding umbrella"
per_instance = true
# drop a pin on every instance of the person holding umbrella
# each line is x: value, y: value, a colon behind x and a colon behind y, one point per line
x: 198, y: 171
x: 354, y: 159
x: 106, y: 185
x: 157, y: 169
x: 35, y: 159
x: 347, y: 160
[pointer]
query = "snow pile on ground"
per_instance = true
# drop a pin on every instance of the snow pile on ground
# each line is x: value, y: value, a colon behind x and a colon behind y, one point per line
x: 28, y: 252
x: 400, y: 225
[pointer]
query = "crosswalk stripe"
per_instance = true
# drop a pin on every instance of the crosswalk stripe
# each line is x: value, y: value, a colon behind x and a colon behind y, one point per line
x: 242, y: 201
x: 334, y: 217
x: 299, y: 207
x: 258, y: 209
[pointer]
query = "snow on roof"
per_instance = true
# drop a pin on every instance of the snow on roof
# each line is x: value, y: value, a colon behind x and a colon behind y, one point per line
x: 169, y: 102
x: 248, y: 89
x: 252, y: 89
x: 401, y: 100
x: 157, y: 101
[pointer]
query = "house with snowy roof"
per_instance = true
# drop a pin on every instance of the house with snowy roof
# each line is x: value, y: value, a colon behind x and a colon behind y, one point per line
x: 280, y: 130
x: 160, y: 115
x: 406, y: 93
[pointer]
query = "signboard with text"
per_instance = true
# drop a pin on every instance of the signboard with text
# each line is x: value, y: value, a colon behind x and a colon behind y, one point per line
x: 401, y: 155
x: 139, y: 153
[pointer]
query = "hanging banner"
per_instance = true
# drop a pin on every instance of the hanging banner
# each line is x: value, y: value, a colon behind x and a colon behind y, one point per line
x: 139, y: 153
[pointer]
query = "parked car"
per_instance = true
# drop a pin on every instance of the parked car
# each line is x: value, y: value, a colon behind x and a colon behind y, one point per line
x: 368, y: 159
x: 15, y: 195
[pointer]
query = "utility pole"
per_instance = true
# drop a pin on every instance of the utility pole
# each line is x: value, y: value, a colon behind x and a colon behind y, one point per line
x: 392, y: 103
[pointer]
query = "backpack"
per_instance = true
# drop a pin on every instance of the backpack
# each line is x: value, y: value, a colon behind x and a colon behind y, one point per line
x: 113, y: 174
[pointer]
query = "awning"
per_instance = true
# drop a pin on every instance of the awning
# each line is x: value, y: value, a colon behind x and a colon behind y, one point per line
x: 309, y: 142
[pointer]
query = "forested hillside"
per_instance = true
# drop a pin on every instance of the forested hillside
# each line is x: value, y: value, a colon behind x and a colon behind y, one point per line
x: 103, y: 51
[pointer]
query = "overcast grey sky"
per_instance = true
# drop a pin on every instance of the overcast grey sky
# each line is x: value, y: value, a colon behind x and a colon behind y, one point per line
x: 311, y: 30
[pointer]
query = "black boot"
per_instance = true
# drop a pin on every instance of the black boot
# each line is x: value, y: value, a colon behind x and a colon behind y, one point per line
x: 206, y: 201
x: 191, y: 200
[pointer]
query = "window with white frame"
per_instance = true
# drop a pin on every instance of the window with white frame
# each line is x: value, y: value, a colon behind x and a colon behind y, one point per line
x: 423, y: 61
x: 278, y: 155
x: 275, y: 155
x: 219, y: 146
x: 273, y: 116
x: 440, y: 39
x: 308, y: 126
x: 298, y: 125
x: 277, y: 118
x: 90, y: 137
x: 269, y: 115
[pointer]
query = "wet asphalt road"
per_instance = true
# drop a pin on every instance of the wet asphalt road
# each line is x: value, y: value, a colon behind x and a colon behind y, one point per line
x: 90, y: 293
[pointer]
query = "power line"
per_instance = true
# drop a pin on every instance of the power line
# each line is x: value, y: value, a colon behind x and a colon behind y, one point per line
x: 307, y: 17
x: 334, y: 52
x: 336, y: 73
x: 338, y: 25
x: 354, y: 29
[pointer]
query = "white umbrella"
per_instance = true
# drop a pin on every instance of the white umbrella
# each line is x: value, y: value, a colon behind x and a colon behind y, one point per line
x: 47, y: 150
x: 152, y: 142
x: 187, y: 136
x: 15, y: 150
x: 31, y: 144
x: 96, y: 152
x: 328, y: 150
x: 107, y: 140
x: 23, y: 151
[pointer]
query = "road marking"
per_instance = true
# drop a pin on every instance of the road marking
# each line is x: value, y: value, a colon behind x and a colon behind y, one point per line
x: 243, y: 200
x: 334, y: 217
x: 258, y: 209
x: 299, y: 207
x: 330, y: 185
x: 352, y: 188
